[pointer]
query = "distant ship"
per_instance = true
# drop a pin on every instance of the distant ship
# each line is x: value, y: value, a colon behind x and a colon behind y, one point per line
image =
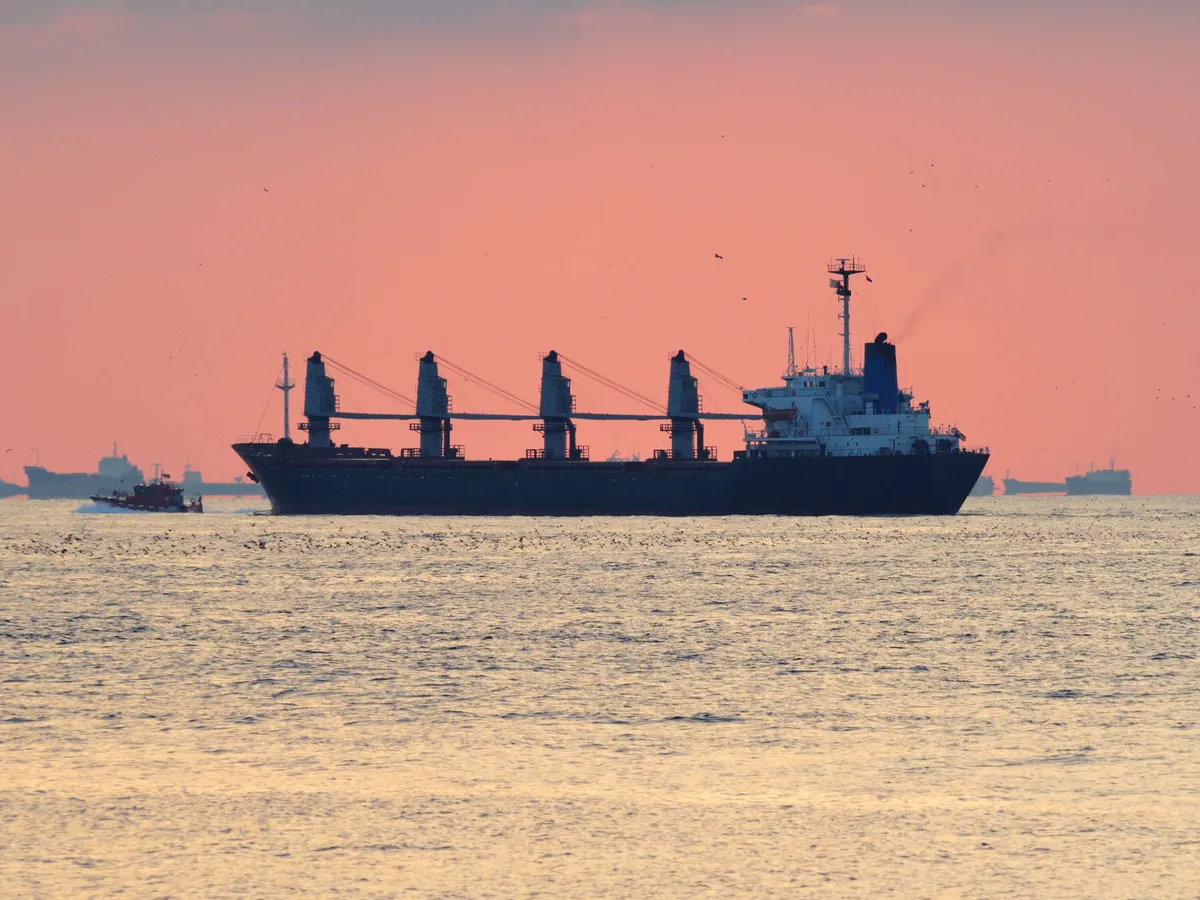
x: 984, y: 487
x: 117, y: 473
x: 113, y: 473
x: 1016, y: 486
x: 10, y: 490
x: 1101, y: 481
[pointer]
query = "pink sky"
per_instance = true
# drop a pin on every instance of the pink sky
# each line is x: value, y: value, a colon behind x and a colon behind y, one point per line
x: 491, y: 198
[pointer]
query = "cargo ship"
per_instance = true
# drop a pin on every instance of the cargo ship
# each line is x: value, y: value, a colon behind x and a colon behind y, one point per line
x: 1014, y: 486
x: 113, y: 473
x: 822, y: 443
x: 1101, y: 481
x: 117, y: 473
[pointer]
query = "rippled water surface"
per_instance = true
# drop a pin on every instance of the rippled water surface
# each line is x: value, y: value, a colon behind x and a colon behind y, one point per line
x: 1003, y: 703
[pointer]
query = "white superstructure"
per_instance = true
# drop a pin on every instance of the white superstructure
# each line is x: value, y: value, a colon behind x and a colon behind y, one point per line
x: 848, y: 413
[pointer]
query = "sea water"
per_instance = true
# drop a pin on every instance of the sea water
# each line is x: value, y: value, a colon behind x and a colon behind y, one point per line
x: 1000, y: 703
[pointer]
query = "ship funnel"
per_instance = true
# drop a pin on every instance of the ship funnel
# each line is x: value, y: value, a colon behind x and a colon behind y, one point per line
x: 879, y: 374
x: 433, y: 408
x: 319, y: 402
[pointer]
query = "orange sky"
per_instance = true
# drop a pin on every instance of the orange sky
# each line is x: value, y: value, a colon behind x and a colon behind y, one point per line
x: 566, y: 186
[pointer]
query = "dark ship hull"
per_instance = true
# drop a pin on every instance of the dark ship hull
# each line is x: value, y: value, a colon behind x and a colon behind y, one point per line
x: 46, y: 485
x: 1108, y: 482
x: 304, y: 480
x: 1015, y: 486
x: 157, y: 496
x: 135, y: 504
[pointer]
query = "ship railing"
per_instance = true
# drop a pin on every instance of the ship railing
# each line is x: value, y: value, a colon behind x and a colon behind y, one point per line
x: 579, y: 453
x: 261, y: 438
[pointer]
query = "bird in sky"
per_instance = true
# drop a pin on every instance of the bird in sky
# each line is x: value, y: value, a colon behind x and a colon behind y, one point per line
x: 718, y: 256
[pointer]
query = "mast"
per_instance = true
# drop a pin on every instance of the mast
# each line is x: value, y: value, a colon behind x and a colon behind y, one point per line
x: 844, y: 268
x: 791, y: 365
x: 286, y: 386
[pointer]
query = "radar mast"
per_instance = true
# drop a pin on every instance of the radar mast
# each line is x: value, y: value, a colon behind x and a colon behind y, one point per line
x: 844, y: 268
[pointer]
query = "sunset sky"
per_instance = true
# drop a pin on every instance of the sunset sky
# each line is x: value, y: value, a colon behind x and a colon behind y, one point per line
x: 190, y: 188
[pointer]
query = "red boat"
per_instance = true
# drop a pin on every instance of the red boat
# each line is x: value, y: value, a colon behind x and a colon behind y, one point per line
x: 159, y: 495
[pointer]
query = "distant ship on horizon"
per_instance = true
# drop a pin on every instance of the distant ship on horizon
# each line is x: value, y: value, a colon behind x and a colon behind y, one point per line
x: 1110, y: 481
x: 1101, y: 481
x: 1014, y: 486
x: 113, y: 473
x: 116, y: 473
x: 984, y: 487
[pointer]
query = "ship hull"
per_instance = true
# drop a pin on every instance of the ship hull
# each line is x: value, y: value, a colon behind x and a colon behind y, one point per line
x: 300, y: 480
x: 1013, y: 486
x: 134, y: 506
x: 1084, y: 486
x: 45, y: 485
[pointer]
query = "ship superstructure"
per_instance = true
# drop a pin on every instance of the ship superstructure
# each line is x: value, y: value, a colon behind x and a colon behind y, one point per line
x: 847, y: 442
x: 846, y: 413
x: 1101, y: 481
x: 113, y: 473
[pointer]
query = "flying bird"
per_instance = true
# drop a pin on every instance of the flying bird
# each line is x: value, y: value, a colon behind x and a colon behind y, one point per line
x: 718, y: 256
x: 868, y: 277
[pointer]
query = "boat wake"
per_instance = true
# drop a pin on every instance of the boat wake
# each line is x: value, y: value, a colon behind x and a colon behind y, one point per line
x: 99, y: 509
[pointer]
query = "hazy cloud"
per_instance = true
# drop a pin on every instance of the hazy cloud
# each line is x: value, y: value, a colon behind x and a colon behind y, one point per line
x: 337, y: 13
x: 359, y: 14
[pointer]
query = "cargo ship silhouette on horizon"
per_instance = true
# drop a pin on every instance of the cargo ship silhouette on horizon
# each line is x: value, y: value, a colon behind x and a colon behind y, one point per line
x: 825, y: 443
x: 1111, y: 481
x: 117, y: 473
